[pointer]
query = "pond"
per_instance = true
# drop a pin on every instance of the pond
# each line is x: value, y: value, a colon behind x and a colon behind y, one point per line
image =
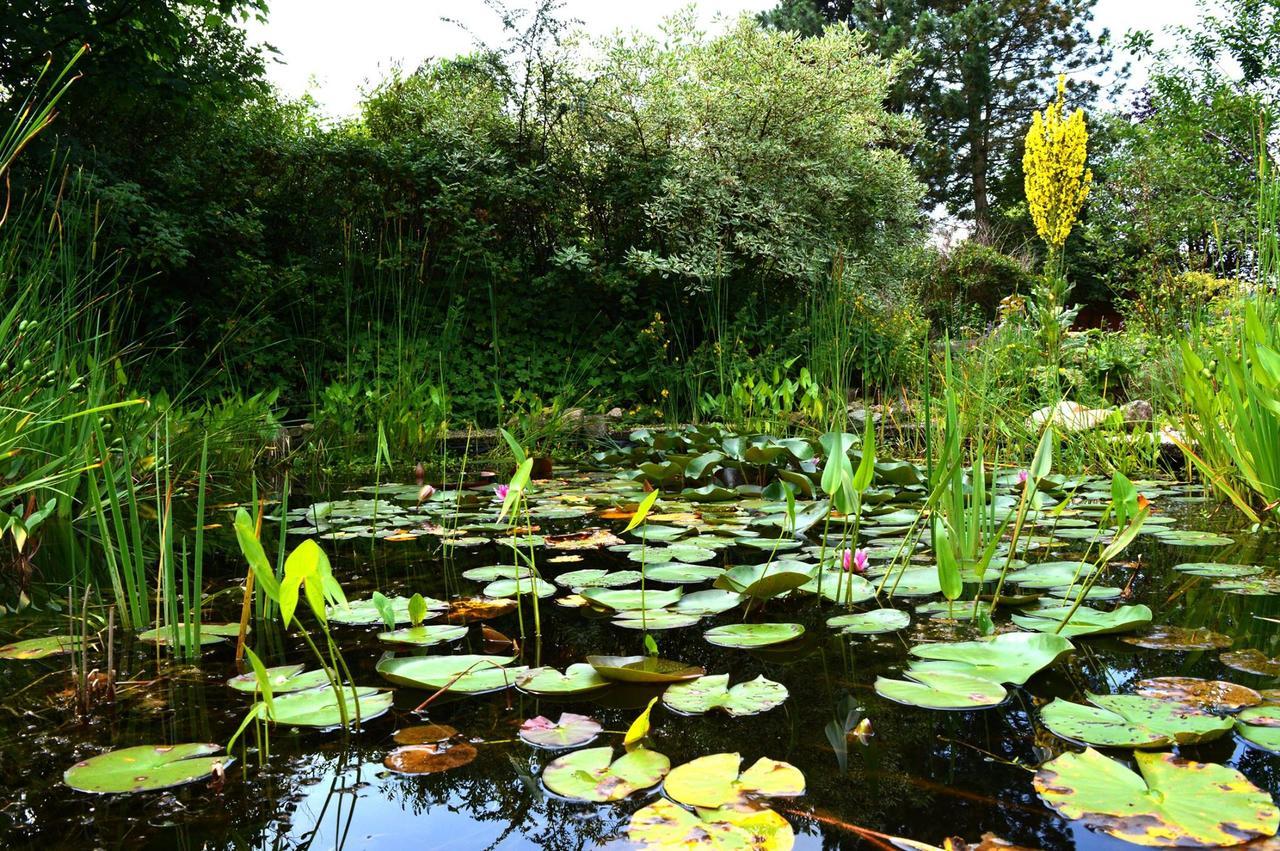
x: 871, y: 765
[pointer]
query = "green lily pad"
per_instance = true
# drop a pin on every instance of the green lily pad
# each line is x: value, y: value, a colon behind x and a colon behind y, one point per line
x: 1191, y: 538
x: 873, y: 622
x: 710, y: 602
x: 512, y: 587
x: 940, y: 689
x: 643, y: 669
x: 41, y: 648
x: 743, y: 635
x: 594, y: 775
x: 1250, y: 586
x: 576, y: 679
x: 1009, y: 658
x: 700, y: 696
x: 424, y: 636
x: 145, y: 768
x: 283, y: 679
x: 1251, y: 661
x: 364, y: 612
x: 713, y: 781
x: 210, y: 633
x: 622, y: 600
x: 957, y: 610
x: 659, y: 619
x: 495, y: 572
x: 681, y: 553
x: 913, y: 582
x: 1085, y: 621
x: 318, y: 707
x: 677, y: 573
x: 597, y: 578
x: 1051, y: 574
x: 1260, y: 726
x: 1172, y: 802
x: 664, y: 824
x: 570, y: 731
x: 1166, y: 637
x: 1132, y: 721
x: 1218, y: 570
x: 463, y: 673
x: 766, y: 581
x: 1097, y: 592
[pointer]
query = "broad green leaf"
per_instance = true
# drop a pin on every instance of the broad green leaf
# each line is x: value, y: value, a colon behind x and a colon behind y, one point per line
x: 699, y: 696
x: 1131, y: 721
x: 145, y: 768
x: 594, y: 775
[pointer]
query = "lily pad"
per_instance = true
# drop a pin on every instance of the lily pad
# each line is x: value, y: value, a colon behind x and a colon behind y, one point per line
x: 598, y: 578
x: 145, y: 768
x: 492, y: 573
x: 1051, y: 574
x: 1009, y: 658
x: 1172, y: 802
x: 430, y: 758
x: 1086, y: 621
x: 318, y: 707
x: 463, y: 673
x: 1251, y: 661
x: 766, y: 581
x: 643, y: 669
x: 700, y: 696
x: 841, y: 587
x: 676, y: 573
x: 873, y: 622
x: 660, y: 619
x: 1260, y: 726
x: 1132, y: 721
x: 365, y: 612
x: 663, y: 825
x: 1192, y: 538
x: 1210, y: 695
x: 283, y: 679
x: 685, y: 554
x: 594, y: 775
x: 576, y: 679
x: 713, y: 781
x: 210, y: 633
x: 913, y: 582
x: 709, y: 602
x: 570, y: 731
x: 469, y: 609
x: 41, y: 648
x: 1165, y: 637
x: 621, y: 600
x: 753, y: 634
x: 1218, y: 570
x: 937, y: 689
x: 423, y: 636
x: 513, y: 587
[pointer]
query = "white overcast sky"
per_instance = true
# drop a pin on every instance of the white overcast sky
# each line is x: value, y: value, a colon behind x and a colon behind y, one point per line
x: 334, y: 48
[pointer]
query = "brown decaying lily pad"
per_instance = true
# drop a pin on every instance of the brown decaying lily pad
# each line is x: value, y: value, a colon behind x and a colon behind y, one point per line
x: 1167, y: 637
x: 421, y: 734
x: 1251, y: 662
x: 429, y: 758
x: 1213, y: 695
x: 470, y: 609
x: 587, y: 539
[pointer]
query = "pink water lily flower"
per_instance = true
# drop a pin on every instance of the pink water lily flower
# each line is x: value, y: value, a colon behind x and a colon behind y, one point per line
x: 501, y: 491
x: 855, y: 561
x: 1022, y: 477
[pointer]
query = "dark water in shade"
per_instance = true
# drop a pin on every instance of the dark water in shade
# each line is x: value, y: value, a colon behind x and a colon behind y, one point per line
x: 925, y: 774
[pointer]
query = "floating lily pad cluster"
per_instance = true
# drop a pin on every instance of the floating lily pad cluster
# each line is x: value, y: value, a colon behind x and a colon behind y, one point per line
x: 972, y: 674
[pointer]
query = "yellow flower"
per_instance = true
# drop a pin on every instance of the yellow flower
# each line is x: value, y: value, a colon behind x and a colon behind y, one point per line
x: 1057, y: 181
x: 665, y: 393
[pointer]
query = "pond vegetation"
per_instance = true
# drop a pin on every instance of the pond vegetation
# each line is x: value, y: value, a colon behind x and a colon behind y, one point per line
x: 816, y: 535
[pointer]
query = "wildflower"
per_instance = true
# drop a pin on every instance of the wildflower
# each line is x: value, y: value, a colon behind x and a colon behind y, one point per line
x: 1022, y: 477
x: 665, y: 392
x: 502, y: 491
x: 426, y: 493
x: 1056, y: 179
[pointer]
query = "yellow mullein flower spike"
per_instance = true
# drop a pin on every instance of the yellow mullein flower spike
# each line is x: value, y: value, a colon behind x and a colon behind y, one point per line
x: 1057, y: 182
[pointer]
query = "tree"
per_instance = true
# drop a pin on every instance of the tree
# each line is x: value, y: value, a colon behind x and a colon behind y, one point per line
x: 980, y: 69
